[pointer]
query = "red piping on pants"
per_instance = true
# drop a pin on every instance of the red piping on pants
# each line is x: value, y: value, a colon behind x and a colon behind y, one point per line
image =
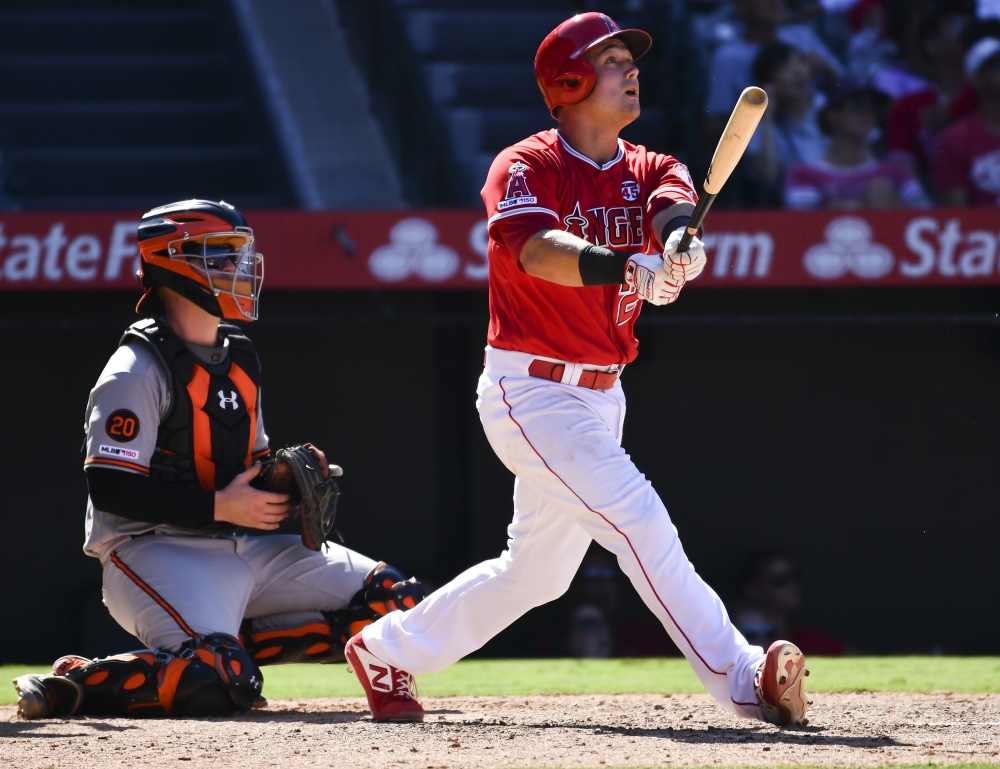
x: 644, y: 574
x: 152, y: 594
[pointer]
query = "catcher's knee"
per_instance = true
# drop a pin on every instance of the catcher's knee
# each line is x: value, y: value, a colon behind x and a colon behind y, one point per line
x: 212, y: 676
x: 384, y: 589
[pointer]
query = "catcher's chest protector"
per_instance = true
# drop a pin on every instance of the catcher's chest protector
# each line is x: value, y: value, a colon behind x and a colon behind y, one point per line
x: 207, y: 438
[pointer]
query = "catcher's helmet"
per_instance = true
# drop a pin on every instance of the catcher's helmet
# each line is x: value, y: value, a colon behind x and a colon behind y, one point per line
x: 563, y: 75
x: 200, y: 249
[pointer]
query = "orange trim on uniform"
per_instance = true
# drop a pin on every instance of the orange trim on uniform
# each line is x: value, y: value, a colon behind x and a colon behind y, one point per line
x: 117, y: 463
x: 202, y: 428
x: 263, y: 453
x: 168, y: 686
x: 152, y: 594
x: 321, y: 628
x: 248, y: 390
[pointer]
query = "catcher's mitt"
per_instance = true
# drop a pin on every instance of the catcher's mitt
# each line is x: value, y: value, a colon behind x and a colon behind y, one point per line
x: 296, y: 471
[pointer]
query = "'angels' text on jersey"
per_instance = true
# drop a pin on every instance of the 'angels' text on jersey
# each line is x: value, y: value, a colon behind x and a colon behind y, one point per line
x: 618, y: 227
x: 543, y: 183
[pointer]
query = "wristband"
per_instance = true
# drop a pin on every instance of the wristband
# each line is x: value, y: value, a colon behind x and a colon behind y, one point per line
x: 674, y: 224
x: 602, y: 266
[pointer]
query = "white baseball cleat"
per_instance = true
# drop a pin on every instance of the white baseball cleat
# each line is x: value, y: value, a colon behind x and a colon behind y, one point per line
x: 780, y: 684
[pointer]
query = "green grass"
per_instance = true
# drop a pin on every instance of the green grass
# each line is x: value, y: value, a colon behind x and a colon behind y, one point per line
x: 654, y: 676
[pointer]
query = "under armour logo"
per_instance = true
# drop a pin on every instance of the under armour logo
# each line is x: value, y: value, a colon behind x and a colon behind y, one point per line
x: 223, y: 400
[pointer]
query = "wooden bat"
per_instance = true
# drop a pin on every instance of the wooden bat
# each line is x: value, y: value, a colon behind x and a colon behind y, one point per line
x: 742, y: 123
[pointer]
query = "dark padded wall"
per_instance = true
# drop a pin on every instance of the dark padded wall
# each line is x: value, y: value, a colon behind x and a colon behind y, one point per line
x: 859, y: 430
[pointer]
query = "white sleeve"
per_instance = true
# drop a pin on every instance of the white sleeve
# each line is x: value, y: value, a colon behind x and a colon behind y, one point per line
x: 126, y: 405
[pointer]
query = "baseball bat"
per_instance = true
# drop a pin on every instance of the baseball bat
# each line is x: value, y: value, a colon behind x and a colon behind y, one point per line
x: 742, y: 123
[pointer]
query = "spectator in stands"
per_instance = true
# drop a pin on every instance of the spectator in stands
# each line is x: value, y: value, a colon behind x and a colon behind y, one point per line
x: 730, y: 70
x: 789, y: 132
x: 966, y: 164
x: 870, y: 47
x: 917, y: 119
x: 768, y: 594
x: 599, y: 624
x: 848, y: 176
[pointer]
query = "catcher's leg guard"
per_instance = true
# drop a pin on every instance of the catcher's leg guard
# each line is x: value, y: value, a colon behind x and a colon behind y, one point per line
x: 235, y: 683
x: 212, y: 676
x: 384, y: 589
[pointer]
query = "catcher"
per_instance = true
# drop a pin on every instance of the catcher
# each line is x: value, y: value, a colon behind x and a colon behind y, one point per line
x: 182, y: 487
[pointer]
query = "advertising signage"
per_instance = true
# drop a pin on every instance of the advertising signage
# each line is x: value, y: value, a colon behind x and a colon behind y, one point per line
x: 421, y: 250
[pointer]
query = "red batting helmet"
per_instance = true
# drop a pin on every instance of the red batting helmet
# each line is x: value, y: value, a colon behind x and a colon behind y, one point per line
x: 563, y: 75
x: 201, y: 250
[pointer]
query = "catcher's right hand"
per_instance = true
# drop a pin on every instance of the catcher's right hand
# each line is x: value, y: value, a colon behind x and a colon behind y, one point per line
x: 244, y: 503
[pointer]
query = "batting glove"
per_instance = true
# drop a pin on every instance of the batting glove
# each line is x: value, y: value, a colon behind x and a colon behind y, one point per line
x: 686, y: 266
x: 647, y: 274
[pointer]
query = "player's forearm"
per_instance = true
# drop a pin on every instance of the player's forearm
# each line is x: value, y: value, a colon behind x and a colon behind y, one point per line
x: 670, y: 219
x: 139, y: 498
x: 554, y: 255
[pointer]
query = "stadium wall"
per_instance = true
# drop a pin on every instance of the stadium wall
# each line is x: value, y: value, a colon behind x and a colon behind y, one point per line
x: 856, y: 427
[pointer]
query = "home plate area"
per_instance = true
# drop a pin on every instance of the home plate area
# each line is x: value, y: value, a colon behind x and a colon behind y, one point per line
x: 856, y: 729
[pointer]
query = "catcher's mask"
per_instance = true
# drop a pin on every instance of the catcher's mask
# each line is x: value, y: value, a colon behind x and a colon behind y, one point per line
x: 201, y: 250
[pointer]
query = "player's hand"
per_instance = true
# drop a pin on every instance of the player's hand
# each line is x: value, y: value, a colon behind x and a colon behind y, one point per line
x: 648, y: 275
x: 686, y: 266
x: 243, y: 505
x: 325, y: 466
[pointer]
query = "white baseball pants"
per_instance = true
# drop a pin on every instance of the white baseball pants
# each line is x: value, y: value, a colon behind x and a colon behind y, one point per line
x: 164, y: 589
x: 574, y: 484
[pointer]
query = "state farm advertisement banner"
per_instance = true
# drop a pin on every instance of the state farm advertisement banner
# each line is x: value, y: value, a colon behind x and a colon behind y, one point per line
x: 416, y: 250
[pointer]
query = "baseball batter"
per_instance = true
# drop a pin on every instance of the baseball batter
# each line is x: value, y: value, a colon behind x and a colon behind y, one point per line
x: 175, y: 432
x: 578, y: 219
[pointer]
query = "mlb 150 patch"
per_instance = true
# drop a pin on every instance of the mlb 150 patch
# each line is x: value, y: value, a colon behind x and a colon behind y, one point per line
x: 118, y: 451
x: 122, y: 425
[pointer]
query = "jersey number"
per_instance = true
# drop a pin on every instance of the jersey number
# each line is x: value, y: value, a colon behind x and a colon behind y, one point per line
x: 122, y: 425
x: 628, y: 303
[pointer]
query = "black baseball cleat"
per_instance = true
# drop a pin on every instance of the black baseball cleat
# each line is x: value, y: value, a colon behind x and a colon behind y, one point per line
x: 47, y: 696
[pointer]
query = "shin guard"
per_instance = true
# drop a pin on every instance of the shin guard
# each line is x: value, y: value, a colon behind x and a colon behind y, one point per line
x: 383, y: 590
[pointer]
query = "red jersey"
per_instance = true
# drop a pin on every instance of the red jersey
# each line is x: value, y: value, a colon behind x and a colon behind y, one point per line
x: 968, y: 155
x: 906, y: 132
x: 542, y: 183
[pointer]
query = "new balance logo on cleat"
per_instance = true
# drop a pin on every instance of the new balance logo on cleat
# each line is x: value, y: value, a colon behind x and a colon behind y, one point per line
x: 389, y: 690
x: 376, y: 670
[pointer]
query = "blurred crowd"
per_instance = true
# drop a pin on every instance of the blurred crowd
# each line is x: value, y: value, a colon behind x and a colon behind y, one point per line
x: 601, y: 616
x: 873, y: 103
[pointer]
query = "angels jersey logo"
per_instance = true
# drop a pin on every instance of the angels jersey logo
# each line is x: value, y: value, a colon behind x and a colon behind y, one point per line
x: 518, y: 193
x: 616, y: 227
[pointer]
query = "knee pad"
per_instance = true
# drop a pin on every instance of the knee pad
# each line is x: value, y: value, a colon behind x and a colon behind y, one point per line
x: 214, y: 675
x: 387, y: 589
x: 383, y: 590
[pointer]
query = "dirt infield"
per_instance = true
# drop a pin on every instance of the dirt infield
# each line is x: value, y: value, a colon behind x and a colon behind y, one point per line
x: 544, y: 731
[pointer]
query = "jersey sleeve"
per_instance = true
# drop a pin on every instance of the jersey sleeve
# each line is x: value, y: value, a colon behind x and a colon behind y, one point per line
x: 124, y: 411
x: 671, y: 188
x: 520, y: 190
